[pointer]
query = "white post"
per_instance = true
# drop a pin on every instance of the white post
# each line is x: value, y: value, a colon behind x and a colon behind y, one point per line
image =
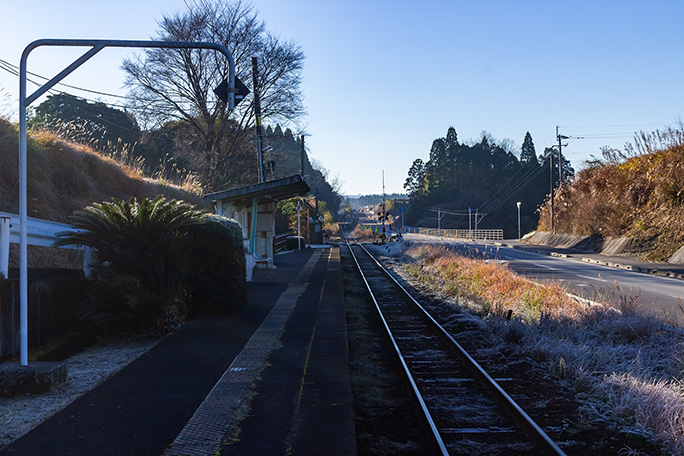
x: 518, y: 203
x: 87, y: 259
x: 4, y: 245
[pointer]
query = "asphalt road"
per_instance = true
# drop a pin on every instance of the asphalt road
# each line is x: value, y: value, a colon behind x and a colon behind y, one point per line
x: 660, y: 296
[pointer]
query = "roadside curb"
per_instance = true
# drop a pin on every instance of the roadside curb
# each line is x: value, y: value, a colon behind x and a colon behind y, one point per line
x: 626, y: 267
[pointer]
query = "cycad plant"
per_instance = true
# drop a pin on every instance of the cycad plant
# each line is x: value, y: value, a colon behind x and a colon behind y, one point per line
x: 142, y: 241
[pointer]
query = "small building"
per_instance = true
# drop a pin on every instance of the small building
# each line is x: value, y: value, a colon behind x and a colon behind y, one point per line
x: 257, y: 202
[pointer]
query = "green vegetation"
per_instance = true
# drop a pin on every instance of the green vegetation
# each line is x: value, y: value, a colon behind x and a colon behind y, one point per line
x: 98, y: 124
x: 214, y: 274
x: 152, y: 256
x: 484, y: 177
x: 638, y: 193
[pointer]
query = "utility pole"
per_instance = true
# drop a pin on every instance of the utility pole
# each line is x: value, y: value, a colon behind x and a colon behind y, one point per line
x: 257, y: 116
x: 384, y: 215
x: 560, y: 156
x: 553, y: 230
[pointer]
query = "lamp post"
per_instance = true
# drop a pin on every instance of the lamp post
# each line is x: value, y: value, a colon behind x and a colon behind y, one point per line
x: 518, y: 203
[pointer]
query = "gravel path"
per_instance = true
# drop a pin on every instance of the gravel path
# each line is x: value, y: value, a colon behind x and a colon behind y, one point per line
x: 86, y: 370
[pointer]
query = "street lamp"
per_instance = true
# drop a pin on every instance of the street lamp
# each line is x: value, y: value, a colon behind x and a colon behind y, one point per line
x: 518, y: 203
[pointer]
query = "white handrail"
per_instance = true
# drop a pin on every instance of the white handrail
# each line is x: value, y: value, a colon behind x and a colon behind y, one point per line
x: 40, y: 232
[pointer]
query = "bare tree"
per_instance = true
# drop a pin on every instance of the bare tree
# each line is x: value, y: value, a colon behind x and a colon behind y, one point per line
x: 178, y: 84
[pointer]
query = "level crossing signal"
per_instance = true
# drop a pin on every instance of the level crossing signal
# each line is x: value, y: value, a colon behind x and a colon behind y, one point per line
x: 241, y: 91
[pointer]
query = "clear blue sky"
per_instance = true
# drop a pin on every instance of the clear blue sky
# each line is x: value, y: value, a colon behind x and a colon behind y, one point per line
x: 383, y: 79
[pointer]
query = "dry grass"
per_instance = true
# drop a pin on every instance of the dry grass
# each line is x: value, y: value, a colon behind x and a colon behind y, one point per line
x: 627, y: 368
x: 64, y: 176
x: 364, y: 234
x: 493, y: 284
x: 638, y: 194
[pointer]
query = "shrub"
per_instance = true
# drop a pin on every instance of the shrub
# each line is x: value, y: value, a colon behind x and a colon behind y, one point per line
x: 215, y: 279
x: 139, y: 241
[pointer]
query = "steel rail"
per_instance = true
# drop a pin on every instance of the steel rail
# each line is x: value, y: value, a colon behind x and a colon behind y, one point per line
x: 532, y: 429
x: 416, y: 391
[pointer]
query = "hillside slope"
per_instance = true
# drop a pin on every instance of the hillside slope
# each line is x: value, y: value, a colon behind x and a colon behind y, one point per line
x: 64, y: 177
x: 639, y: 195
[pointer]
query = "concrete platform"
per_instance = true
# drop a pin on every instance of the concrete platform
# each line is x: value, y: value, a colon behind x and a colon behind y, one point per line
x: 286, y: 351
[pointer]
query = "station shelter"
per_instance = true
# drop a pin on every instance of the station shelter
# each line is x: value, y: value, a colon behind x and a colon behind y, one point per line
x: 257, y: 202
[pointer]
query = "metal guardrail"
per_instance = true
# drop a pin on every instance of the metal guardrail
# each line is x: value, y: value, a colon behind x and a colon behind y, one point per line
x: 40, y: 232
x: 489, y: 235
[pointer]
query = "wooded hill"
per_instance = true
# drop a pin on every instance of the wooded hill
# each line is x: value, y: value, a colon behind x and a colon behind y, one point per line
x: 636, y: 193
x: 484, y: 177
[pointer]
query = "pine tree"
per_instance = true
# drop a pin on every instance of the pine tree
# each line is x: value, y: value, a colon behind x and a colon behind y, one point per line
x: 451, y: 138
x: 528, y: 154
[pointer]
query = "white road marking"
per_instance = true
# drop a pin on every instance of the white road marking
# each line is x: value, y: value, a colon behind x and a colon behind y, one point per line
x: 592, y: 278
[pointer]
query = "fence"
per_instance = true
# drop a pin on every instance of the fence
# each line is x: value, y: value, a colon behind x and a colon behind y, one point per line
x: 40, y: 232
x: 488, y: 235
x: 280, y: 242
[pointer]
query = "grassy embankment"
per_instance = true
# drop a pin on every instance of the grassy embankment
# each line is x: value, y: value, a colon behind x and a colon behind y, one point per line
x: 64, y: 176
x: 638, y: 193
x: 626, y: 368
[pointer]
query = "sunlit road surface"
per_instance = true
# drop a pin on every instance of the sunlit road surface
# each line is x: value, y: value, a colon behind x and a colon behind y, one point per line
x: 659, y: 296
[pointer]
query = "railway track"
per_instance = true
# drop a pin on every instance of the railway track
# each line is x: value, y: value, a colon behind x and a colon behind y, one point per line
x: 465, y: 409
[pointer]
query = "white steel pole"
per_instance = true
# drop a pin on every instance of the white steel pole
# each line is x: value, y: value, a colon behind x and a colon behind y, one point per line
x: 23, y: 218
x: 518, y: 203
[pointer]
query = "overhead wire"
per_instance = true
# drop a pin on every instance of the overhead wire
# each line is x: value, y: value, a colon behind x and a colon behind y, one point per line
x: 14, y: 70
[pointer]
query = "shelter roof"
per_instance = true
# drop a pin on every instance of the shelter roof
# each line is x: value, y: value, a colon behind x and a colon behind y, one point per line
x: 271, y: 191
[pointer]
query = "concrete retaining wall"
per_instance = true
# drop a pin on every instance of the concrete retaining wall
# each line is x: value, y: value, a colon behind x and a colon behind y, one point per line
x: 678, y: 257
x: 592, y: 244
x: 589, y: 244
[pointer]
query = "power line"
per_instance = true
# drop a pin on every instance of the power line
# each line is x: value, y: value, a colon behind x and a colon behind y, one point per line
x: 611, y: 126
x: 14, y: 70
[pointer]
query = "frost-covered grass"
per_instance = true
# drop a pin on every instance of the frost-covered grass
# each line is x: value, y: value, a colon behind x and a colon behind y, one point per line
x: 627, y: 367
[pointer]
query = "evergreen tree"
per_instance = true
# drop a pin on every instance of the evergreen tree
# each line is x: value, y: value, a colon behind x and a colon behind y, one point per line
x: 79, y: 120
x: 528, y: 154
x: 451, y: 139
x: 415, y: 176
